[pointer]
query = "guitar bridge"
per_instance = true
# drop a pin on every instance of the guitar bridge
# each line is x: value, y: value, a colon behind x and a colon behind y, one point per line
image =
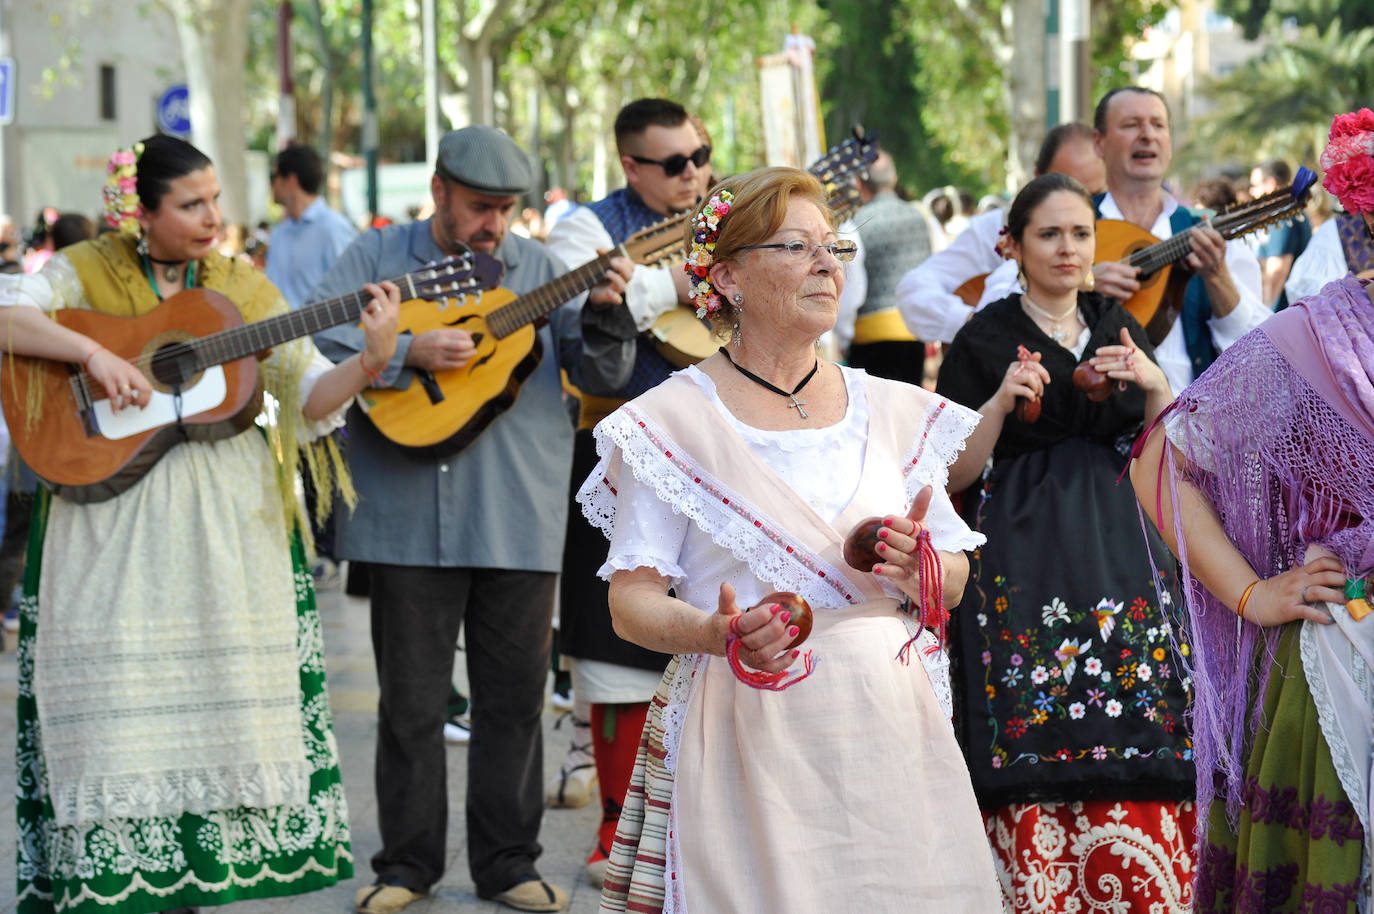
x: 85, y: 403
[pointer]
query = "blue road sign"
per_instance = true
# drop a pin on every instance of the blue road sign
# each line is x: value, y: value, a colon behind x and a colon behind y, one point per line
x: 174, y: 111
x: 6, y: 90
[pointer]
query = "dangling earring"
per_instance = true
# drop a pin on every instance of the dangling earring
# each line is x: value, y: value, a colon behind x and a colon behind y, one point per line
x: 1021, y: 276
x: 738, y: 299
x: 1089, y: 282
x: 142, y: 245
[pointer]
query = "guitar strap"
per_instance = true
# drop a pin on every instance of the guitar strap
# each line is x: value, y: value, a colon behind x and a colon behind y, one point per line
x: 1196, y: 310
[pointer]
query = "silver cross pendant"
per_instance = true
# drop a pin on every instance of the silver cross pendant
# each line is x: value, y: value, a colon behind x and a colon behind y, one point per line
x: 798, y: 404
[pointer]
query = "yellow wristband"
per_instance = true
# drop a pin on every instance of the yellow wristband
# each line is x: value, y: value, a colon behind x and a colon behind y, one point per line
x: 1240, y: 607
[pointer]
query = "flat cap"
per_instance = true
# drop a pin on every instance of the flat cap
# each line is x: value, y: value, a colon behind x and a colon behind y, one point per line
x: 485, y: 159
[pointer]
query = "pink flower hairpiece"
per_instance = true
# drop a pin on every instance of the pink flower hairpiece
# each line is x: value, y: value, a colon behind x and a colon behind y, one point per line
x: 122, y: 206
x: 1348, y: 161
x: 705, y: 234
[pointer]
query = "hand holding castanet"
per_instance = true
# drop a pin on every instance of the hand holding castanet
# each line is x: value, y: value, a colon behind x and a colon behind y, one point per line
x: 798, y: 609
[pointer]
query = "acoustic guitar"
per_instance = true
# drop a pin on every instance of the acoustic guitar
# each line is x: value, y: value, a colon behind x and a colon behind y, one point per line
x: 1160, y: 298
x: 445, y: 411
x: 201, y: 359
x: 679, y: 335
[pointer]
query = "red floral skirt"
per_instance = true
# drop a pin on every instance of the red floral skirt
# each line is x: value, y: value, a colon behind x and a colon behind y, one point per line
x: 1098, y: 855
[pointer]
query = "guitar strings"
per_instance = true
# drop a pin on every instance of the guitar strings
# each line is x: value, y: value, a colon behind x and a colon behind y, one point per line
x: 143, y: 361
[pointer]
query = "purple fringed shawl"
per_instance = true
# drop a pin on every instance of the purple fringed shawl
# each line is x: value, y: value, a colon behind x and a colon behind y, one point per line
x: 1279, y: 435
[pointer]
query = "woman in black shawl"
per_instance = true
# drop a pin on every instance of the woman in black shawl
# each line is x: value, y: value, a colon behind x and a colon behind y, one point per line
x: 1070, y: 701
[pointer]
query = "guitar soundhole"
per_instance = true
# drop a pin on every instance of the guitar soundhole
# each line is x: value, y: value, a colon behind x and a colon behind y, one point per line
x: 173, y: 364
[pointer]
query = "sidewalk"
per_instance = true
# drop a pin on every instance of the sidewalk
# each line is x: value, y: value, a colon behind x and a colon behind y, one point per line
x: 566, y: 834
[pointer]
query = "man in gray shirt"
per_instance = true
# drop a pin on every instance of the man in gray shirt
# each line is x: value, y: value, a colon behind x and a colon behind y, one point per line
x: 472, y: 539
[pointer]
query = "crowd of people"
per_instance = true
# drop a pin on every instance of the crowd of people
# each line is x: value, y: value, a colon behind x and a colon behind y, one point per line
x: 858, y: 611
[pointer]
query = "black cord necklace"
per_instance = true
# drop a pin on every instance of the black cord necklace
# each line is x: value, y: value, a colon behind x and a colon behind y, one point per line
x: 777, y: 390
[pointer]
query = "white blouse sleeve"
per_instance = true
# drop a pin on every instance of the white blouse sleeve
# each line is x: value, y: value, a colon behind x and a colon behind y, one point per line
x: 647, y: 533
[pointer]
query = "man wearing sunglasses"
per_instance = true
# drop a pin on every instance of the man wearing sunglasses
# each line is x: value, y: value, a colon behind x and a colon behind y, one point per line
x: 666, y: 163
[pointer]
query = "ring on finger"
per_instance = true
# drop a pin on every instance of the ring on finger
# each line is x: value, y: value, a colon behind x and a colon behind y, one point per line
x: 1303, y: 595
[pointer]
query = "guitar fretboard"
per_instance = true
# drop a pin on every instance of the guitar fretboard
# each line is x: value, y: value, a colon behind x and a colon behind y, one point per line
x: 1241, y: 221
x: 531, y: 306
x: 259, y: 336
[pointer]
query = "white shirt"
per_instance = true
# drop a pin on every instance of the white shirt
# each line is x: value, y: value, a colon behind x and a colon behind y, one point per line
x: 1321, y: 262
x: 925, y: 296
x: 577, y: 239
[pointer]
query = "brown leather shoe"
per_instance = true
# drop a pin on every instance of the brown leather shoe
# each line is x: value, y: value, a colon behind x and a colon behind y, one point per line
x: 533, y: 895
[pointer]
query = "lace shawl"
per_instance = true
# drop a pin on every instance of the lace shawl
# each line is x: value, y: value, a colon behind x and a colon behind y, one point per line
x: 1278, y: 436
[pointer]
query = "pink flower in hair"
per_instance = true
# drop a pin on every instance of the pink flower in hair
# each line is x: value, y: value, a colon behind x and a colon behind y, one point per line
x: 1352, y: 183
x: 1352, y: 124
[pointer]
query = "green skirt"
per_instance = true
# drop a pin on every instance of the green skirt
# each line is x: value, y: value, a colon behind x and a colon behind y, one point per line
x: 1298, y: 844
x: 154, y: 864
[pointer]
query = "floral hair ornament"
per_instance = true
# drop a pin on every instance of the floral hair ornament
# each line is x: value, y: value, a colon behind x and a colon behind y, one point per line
x: 1348, y: 161
x: 122, y: 207
x: 1003, y: 245
x: 705, y: 234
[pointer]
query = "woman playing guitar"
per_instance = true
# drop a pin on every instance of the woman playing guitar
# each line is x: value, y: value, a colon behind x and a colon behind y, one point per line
x: 176, y: 690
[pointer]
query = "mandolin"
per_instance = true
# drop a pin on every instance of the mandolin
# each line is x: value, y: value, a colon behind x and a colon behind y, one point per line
x: 679, y: 335
x: 1120, y: 240
x: 202, y: 361
x: 1157, y: 304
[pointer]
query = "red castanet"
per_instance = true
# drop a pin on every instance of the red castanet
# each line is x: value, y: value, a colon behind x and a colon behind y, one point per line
x: 1027, y: 411
x: 1092, y: 382
x: 861, y: 546
x: 795, y: 604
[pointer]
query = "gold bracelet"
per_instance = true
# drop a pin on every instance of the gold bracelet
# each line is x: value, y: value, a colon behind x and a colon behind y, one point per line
x: 1240, y: 607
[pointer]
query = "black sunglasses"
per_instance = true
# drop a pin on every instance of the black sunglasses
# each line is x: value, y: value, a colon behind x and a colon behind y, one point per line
x: 676, y: 163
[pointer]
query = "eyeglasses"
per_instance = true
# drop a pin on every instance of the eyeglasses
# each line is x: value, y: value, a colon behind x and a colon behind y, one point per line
x: 676, y: 163
x: 843, y: 251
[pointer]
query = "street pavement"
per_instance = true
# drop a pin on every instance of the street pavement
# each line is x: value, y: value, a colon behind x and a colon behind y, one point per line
x: 567, y: 834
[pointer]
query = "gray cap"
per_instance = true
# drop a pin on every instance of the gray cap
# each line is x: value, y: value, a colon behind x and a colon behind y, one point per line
x: 485, y: 159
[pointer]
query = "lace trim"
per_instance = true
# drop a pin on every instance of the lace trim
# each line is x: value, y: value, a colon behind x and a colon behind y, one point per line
x: 800, y: 439
x: 674, y: 717
x: 944, y: 435
x: 1351, y: 779
x: 717, y: 511
x: 935, y: 660
x: 197, y: 789
x: 670, y: 570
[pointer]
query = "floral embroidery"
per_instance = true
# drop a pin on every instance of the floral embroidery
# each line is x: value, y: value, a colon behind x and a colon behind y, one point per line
x: 1076, y: 665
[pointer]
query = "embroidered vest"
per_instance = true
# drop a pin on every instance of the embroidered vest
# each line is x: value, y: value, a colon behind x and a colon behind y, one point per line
x: 1355, y: 243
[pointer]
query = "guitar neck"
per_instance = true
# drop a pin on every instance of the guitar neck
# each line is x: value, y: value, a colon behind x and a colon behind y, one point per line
x: 533, y: 305
x: 260, y: 336
x: 1232, y: 224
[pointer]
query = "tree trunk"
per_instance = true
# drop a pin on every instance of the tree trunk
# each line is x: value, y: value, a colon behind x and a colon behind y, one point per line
x: 214, y: 45
x: 1025, y: 88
